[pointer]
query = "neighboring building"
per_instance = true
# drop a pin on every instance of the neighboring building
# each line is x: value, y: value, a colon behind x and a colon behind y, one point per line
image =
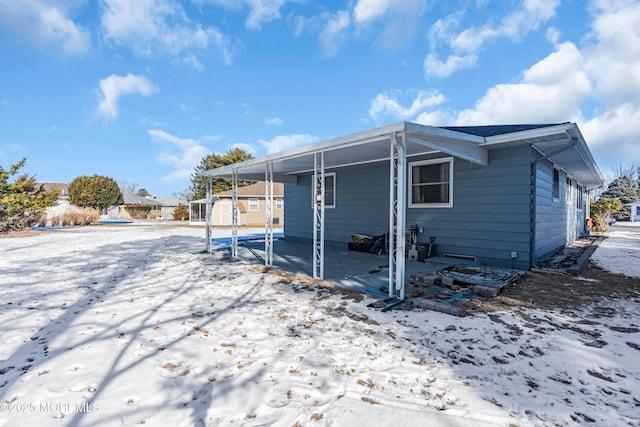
x: 505, y: 195
x: 62, y: 189
x: 155, y: 207
x: 251, y: 206
x: 164, y: 206
x: 635, y: 211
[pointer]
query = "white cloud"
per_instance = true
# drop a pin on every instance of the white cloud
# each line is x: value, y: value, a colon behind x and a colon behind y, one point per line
x: 113, y: 87
x: 260, y: 11
x: 463, y: 46
x: 286, y: 142
x: 161, y: 27
x: 386, y: 105
x: 614, y: 58
x: 274, y: 121
x: 550, y: 91
x: 370, y: 10
x: 399, y: 20
x: 434, y: 67
x: 47, y: 25
x: 333, y: 34
x: 182, y: 154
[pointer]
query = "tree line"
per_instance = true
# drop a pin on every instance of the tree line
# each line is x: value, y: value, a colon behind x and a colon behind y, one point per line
x: 23, y: 201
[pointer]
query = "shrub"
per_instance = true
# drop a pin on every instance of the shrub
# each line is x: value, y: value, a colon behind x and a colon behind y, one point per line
x: 599, y: 223
x: 181, y: 212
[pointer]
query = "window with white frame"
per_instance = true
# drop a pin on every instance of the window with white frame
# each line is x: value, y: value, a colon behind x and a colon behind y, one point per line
x: 278, y: 203
x: 254, y: 204
x: 556, y: 184
x: 329, y: 190
x: 431, y: 183
x: 579, y: 196
x: 569, y: 191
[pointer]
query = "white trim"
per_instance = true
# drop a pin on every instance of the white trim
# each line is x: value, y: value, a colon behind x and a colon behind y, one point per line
x: 326, y: 206
x: 410, y: 183
x: 255, y: 208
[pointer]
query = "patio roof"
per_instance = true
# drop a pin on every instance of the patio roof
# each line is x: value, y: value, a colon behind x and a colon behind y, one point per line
x: 563, y: 143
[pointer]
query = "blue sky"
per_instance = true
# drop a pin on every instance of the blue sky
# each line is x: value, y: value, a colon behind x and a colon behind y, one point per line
x: 142, y: 90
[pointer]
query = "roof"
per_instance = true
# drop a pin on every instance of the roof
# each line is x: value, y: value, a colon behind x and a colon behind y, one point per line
x: 132, y: 199
x: 56, y: 186
x: 255, y: 190
x: 562, y: 143
x: 493, y: 130
x: 169, y: 201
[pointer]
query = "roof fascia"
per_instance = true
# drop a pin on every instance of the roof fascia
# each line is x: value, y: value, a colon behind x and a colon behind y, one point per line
x: 526, y: 134
x: 458, y: 144
x: 328, y: 145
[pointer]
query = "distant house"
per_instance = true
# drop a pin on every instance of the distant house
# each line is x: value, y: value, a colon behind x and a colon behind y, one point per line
x: 62, y: 189
x: 501, y: 195
x: 251, y: 206
x: 164, y: 206
x: 635, y: 211
x: 135, y: 206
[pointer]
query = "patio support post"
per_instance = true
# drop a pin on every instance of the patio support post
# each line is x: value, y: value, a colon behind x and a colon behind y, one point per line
x: 318, y: 216
x: 268, y: 220
x: 397, y: 215
x: 234, y: 214
x: 207, y: 210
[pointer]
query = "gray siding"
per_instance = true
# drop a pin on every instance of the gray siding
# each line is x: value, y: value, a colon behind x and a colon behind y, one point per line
x: 362, y: 200
x: 558, y: 222
x: 489, y: 218
x: 491, y: 211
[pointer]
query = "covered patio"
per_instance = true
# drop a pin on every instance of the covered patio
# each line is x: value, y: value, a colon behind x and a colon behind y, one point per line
x: 389, y: 145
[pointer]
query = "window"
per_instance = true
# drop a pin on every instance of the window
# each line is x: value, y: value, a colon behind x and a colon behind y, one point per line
x: 431, y: 183
x: 556, y: 184
x: 254, y: 204
x: 579, y: 199
x: 569, y: 191
x: 278, y: 203
x: 329, y: 190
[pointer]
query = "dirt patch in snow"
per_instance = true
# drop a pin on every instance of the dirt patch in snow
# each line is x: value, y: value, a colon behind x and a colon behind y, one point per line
x: 550, y: 287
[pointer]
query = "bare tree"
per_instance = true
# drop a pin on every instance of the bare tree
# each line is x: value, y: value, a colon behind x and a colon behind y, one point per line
x: 128, y: 187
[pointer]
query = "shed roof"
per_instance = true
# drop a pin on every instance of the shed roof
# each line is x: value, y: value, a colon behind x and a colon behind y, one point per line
x: 562, y: 143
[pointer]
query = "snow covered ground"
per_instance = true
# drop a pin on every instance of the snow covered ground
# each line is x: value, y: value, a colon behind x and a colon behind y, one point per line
x: 127, y: 325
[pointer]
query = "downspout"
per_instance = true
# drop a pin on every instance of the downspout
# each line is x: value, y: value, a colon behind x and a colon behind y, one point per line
x: 532, y: 209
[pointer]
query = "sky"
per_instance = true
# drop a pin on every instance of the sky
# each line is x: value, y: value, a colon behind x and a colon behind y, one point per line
x: 142, y: 90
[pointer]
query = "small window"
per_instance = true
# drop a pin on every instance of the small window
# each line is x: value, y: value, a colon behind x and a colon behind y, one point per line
x: 431, y: 183
x: 569, y: 191
x: 329, y: 190
x: 556, y: 184
x: 579, y: 195
x: 278, y: 203
x: 254, y: 204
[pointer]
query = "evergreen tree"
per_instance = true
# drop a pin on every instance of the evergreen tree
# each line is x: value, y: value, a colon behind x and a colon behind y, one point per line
x: 625, y: 189
x: 98, y: 192
x: 22, y: 201
x: 198, y: 187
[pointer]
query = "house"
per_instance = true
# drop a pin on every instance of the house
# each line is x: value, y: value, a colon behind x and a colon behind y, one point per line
x: 164, y: 206
x: 251, y: 206
x: 502, y: 195
x: 635, y: 211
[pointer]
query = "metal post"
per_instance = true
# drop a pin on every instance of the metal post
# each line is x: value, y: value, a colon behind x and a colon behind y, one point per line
x: 234, y: 214
x: 397, y: 215
x: 268, y: 220
x: 318, y: 216
x: 207, y: 210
